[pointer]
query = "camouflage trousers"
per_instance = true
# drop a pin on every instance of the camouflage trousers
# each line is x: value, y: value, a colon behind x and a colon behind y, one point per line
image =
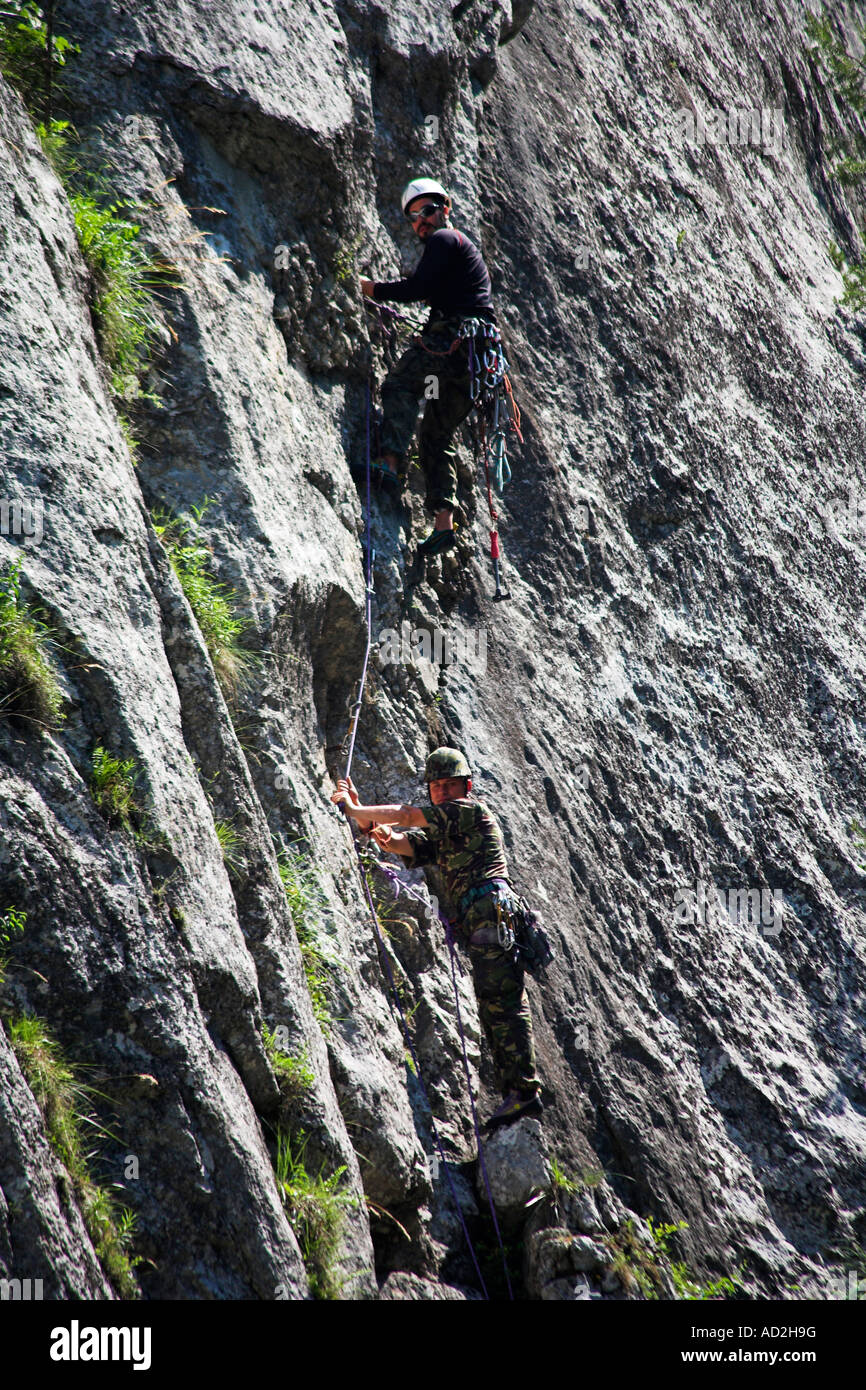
x: 502, y: 1006
x: 444, y: 382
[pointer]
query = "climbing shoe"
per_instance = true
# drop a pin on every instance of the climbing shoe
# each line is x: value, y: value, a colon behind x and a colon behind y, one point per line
x: 514, y: 1106
x: 437, y: 542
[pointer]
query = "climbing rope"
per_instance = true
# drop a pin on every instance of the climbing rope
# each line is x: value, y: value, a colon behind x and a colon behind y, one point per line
x: 355, y: 712
x: 383, y: 954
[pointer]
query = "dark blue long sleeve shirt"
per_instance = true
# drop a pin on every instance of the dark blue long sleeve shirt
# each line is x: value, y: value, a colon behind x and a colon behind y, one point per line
x: 451, y: 276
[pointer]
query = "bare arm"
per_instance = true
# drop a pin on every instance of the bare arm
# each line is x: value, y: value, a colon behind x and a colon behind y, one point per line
x: 346, y: 796
x: 393, y: 815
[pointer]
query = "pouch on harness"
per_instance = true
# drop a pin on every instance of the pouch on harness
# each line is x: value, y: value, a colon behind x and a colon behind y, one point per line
x: 517, y: 927
x: 530, y: 939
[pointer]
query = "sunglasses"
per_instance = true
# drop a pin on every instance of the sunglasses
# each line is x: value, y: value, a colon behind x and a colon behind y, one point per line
x: 427, y: 211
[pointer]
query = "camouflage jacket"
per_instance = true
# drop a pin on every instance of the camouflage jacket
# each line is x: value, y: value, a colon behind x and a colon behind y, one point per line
x: 464, y: 839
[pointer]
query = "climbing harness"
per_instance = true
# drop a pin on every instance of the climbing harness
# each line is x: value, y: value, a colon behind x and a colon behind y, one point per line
x: 481, y: 890
x: 517, y: 927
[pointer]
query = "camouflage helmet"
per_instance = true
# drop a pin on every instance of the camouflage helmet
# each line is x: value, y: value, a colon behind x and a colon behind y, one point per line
x: 446, y: 762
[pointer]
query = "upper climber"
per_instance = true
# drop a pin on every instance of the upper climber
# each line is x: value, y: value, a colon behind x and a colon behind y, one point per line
x: 452, y: 278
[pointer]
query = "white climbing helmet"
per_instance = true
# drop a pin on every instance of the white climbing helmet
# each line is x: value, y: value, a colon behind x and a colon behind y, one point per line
x: 417, y: 188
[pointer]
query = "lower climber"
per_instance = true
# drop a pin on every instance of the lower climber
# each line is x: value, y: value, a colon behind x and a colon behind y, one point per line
x: 453, y: 279
x: 460, y: 834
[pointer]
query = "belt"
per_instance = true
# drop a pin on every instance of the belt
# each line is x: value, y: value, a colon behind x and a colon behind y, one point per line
x: 500, y: 935
x: 482, y: 891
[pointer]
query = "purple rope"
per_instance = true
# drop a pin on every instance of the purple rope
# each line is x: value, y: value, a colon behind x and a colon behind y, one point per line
x: 408, y: 1041
x: 385, y: 311
x: 411, y: 892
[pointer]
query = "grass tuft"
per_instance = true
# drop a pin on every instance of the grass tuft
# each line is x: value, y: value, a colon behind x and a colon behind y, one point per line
x: 315, y: 1207
x: 846, y: 73
x: 231, y: 844
x: 12, y: 925
x: 560, y: 1182
x: 635, y: 1264
x: 125, y: 279
x: 29, y: 687
x: 639, y: 1265
x: 126, y: 282
x: 212, y: 603
x: 27, y: 59
x: 308, y: 906
x: 853, y: 280
x: 295, y: 1076
x: 63, y: 1100
x: 686, y: 1286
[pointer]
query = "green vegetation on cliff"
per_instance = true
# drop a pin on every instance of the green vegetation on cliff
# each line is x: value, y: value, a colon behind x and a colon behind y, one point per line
x: 315, y: 1206
x: 28, y: 683
x: 212, y: 603
x: 63, y: 1102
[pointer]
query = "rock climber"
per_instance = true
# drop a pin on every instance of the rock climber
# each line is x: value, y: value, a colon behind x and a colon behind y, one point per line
x: 453, y: 279
x: 459, y: 834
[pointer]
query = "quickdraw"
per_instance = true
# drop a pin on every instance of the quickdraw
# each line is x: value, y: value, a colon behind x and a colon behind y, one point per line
x: 495, y: 407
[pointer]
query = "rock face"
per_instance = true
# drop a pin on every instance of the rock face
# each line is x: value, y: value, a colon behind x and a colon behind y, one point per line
x: 517, y: 1167
x: 666, y: 708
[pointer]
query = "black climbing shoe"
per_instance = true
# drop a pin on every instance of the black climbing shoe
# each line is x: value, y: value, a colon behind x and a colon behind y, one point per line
x: 514, y: 1106
x: 437, y: 542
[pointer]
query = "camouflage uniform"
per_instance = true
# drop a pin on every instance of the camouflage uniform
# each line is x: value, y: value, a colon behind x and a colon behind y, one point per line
x: 406, y: 383
x: 464, y: 839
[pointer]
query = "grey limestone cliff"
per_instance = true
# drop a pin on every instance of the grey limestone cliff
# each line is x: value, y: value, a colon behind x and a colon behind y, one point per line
x: 667, y: 707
